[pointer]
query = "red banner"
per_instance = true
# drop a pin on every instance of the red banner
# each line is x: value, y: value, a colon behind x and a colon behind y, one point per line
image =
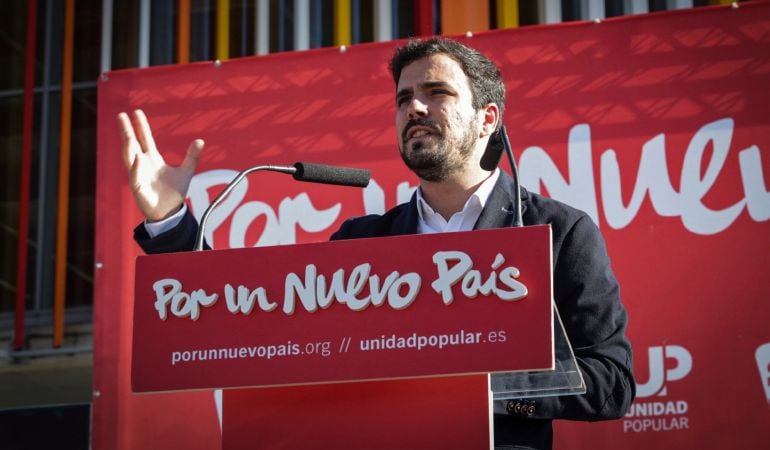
x: 656, y: 125
x: 364, y: 309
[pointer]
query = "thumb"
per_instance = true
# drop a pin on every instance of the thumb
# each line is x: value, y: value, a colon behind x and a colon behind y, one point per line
x: 192, y: 156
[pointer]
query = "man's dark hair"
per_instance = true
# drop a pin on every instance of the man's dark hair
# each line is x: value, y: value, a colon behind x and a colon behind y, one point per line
x: 485, y: 80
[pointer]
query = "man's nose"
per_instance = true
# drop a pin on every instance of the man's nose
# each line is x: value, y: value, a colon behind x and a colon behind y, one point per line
x: 417, y: 108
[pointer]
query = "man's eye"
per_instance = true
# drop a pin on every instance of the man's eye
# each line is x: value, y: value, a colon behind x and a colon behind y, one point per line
x: 440, y: 92
x: 400, y: 101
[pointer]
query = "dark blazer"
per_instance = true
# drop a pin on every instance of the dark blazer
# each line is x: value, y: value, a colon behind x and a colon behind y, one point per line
x: 585, y: 290
x: 586, y: 293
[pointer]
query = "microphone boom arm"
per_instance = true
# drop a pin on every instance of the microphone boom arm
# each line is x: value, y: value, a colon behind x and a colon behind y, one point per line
x: 230, y: 186
x: 517, y: 218
x: 313, y: 173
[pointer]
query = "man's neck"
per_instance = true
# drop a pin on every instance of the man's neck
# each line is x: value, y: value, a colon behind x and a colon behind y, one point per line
x: 449, y: 196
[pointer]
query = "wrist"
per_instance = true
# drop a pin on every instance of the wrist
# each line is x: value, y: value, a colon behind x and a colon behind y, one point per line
x: 170, y: 213
x: 163, y: 225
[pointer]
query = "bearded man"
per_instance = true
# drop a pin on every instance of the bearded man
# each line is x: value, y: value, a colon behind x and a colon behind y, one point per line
x: 449, y: 104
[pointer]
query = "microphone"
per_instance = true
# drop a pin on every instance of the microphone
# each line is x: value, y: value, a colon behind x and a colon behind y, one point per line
x: 493, y: 153
x: 310, y: 172
x: 319, y: 173
x: 491, y: 158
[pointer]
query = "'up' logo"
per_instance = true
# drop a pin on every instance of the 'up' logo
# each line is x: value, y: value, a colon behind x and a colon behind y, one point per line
x: 659, y: 376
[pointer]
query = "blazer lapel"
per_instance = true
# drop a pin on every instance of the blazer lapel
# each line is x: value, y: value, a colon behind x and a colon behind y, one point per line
x: 406, y: 223
x: 498, y: 211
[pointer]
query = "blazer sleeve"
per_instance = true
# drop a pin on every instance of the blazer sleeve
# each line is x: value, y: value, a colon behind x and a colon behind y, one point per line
x: 181, y: 238
x: 588, y: 297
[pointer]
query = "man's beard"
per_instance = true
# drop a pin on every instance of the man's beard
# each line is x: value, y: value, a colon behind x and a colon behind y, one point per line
x: 436, y: 164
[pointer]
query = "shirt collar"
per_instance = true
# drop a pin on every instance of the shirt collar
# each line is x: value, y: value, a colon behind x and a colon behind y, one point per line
x: 476, y: 201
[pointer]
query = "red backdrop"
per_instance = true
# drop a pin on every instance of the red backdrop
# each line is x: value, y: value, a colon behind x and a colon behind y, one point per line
x: 656, y: 125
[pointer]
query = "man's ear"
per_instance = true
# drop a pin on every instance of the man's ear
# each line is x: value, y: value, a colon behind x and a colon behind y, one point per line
x: 490, y: 118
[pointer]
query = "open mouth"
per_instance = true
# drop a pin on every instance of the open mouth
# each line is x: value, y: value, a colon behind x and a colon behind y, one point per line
x: 419, y: 130
x: 418, y: 134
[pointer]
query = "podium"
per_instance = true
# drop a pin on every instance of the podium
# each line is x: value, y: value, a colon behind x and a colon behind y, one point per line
x: 376, y: 343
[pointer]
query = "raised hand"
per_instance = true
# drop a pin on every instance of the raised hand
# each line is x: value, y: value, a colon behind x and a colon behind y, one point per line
x: 159, y: 189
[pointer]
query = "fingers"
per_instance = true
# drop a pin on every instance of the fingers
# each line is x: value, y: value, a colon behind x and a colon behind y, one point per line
x: 126, y: 129
x: 130, y: 144
x: 143, y: 132
x: 192, y: 156
x: 137, y: 139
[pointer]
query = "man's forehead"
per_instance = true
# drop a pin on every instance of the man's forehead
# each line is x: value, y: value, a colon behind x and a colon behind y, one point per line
x: 432, y: 69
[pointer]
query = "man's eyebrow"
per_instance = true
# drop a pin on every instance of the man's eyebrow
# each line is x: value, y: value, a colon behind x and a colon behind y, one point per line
x: 403, y: 92
x: 435, y: 84
x: 425, y: 85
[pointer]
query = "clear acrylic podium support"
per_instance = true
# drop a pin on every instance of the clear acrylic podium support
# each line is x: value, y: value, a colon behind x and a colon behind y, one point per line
x: 565, y: 379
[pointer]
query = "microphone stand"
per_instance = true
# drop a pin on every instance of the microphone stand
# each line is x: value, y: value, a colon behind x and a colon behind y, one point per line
x: 315, y: 173
x: 517, y: 219
x: 230, y: 186
x: 491, y: 159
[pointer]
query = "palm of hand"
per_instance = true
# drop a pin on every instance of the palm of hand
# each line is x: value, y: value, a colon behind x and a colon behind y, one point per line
x: 159, y: 189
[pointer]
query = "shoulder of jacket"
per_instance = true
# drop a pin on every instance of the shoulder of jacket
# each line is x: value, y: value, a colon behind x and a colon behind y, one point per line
x: 547, y: 210
x: 370, y: 225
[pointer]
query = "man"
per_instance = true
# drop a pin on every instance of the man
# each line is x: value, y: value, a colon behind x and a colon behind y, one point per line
x: 449, y: 101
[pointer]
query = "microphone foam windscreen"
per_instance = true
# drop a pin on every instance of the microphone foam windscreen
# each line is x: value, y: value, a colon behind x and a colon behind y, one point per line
x: 320, y: 173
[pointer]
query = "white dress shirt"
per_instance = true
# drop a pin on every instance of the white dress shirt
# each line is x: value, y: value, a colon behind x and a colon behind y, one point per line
x: 432, y: 222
